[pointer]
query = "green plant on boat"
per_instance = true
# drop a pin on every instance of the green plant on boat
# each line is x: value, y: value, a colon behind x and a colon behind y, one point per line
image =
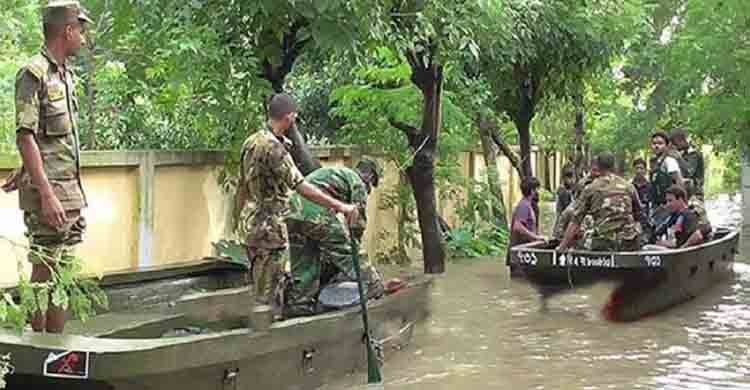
x: 69, y: 289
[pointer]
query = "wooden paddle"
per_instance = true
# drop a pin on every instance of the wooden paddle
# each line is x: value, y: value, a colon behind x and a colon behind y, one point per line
x: 374, y: 377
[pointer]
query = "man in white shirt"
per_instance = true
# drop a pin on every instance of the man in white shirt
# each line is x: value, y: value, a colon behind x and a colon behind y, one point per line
x: 668, y: 167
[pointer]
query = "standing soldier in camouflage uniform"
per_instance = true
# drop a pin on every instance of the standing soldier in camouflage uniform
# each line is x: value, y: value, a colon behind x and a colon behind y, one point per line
x: 320, y: 240
x: 49, y: 183
x: 696, y: 170
x: 268, y: 178
x: 614, y: 206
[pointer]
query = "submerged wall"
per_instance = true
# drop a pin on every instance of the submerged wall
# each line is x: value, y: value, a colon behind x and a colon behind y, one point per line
x: 149, y: 208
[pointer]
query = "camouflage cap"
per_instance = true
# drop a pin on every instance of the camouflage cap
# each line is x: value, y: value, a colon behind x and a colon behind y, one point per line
x: 65, y: 12
x: 369, y: 163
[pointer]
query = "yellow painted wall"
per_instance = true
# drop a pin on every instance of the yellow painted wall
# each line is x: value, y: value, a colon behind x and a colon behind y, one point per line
x: 191, y: 211
x: 111, y: 241
x: 112, y: 216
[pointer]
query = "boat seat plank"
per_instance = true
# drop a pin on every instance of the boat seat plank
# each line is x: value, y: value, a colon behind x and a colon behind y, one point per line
x: 110, y: 323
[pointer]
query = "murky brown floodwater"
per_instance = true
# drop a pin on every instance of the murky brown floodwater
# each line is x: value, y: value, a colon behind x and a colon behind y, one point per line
x: 486, y: 332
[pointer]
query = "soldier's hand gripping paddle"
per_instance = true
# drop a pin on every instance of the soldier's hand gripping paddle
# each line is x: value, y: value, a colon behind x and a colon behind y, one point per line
x: 374, y: 377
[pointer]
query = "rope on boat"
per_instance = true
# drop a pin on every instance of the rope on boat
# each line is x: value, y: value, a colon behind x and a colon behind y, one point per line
x: 570, y: 276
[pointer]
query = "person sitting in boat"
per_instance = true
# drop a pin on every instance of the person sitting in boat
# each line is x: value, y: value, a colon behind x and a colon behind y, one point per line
x: 695, y: 202
x: 643, y: 186
x: 614, y: 207
x: 565, y: 194
x: 524, y: 219
x: 682, y: 225
x: 693, y: 157
x: 320, y: 241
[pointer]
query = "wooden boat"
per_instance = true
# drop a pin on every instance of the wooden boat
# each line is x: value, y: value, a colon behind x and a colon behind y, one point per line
x: 648, y: 281
x: 183, y: 327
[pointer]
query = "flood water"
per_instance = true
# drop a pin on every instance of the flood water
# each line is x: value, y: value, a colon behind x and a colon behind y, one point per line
x: 487, y: 332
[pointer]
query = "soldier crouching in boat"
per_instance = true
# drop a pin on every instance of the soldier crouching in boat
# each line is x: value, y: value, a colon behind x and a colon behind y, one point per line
x: 321, y: 245
x: 614, y: 207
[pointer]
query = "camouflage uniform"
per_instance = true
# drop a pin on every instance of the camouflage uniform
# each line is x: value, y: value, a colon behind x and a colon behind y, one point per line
x: 695, y: 167
x: 269, y: 177
x: 562, y: 223
x: 609, y: 199
x: 47, y: 107
x: 695, y: 203
x: 320, y: 240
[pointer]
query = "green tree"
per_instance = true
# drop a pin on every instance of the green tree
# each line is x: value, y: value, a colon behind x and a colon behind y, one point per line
x: 20, y: 38
x: 431, y: 36
x: 382, y: 93
x: 546, y: 51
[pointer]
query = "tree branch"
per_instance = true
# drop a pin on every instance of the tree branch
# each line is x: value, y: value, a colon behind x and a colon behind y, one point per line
x: 411, y: 58
x: 408, y: 129
x: 491, y: 128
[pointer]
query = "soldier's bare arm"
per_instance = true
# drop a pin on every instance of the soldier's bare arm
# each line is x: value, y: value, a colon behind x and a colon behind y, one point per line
x: 314, y: 194
x: 32, y: 161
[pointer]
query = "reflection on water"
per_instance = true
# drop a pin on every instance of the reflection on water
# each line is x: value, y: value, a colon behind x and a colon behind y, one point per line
x: 486, y: 332
x: 725, y: 210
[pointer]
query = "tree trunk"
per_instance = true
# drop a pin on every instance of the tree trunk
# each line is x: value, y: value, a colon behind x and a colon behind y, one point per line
x: 301, y: 152
x: 548, y: 180
x: 523, y: 125
x: 421, y: 173
x: 579, y: 159
x: 512, y: 157
x: 489, y: 150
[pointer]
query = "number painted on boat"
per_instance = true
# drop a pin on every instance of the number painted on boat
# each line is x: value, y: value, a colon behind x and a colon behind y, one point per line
x: 653, y: 261
x: 526, y: 258
x: 578, y: 260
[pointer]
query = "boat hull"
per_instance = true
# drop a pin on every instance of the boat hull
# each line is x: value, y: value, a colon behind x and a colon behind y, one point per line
x: 300, y: 353
x: 647, y: 282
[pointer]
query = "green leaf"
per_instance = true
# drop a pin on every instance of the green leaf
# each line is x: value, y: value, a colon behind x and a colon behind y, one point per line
x: 60, y: 298
x: 3, y: 311
x: 42, y: 298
